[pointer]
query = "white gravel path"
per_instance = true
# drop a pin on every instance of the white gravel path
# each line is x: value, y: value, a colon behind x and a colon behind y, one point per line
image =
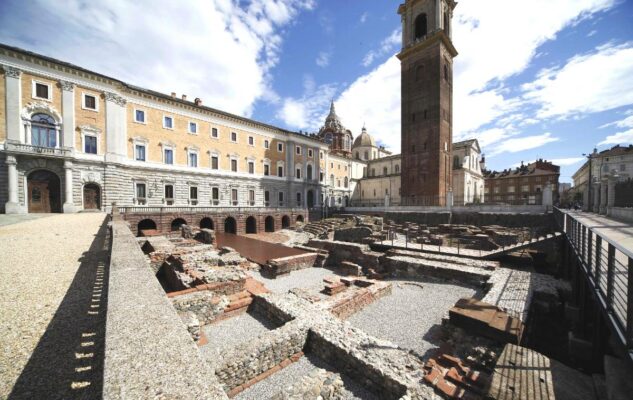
x: 48, y: 286
x: 290, y: 375
x: 409, y: 313
x: 309, y: 278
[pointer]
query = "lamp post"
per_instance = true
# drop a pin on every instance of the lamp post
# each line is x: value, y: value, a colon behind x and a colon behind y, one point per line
x: 589, y: 200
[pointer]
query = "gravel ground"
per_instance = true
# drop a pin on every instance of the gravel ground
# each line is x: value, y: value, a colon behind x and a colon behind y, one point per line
x: 410, y: 312
x: 310, y: 279
x: 53, y: 286
x: 10, y: 219
x: 291, y: 375
x: 233, y: 331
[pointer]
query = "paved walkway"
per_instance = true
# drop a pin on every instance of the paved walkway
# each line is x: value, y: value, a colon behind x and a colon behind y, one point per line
x: 53, y: 297
x: 617, y: 231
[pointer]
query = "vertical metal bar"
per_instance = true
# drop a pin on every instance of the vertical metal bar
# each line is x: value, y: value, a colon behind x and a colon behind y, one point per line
x: 610, y: 275
x: 589, y: 249
x: 629, y: 306
x: 583, y: 232
x: 596, y: 272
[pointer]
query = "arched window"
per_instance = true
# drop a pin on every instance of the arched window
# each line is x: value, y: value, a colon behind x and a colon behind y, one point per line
x: 332, y: 179
x: 43, y: 131
x: 445, y: 73
x: 420, y: 26
x: 397, y: 169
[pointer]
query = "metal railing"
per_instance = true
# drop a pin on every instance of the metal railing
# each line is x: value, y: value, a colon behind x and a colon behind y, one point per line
x: 30, y: 149
x: 607, y: 266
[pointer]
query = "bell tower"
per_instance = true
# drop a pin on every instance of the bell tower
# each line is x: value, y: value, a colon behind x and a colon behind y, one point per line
x: 426, y: 62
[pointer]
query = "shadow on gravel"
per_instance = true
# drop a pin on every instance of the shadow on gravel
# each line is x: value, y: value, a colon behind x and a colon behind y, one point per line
x: 67, y: 363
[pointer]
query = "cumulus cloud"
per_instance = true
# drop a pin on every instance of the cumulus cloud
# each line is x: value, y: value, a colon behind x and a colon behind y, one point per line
x: 623, y: 137
x: 388, y: 45
x: 594, y: 82
x: 363, y: 17
x: 219, y: 50
x: 306, y: 112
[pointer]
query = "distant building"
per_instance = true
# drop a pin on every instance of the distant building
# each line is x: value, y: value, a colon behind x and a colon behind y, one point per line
x: 608, y: 166
x: 522, y: 185
x: 468, y: 179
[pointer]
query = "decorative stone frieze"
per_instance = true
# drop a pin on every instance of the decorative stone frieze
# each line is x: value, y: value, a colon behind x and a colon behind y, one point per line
x: 67, y: 86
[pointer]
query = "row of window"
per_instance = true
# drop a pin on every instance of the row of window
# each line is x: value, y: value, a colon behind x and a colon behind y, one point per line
x: 169, y: 197
x: 385, y: 171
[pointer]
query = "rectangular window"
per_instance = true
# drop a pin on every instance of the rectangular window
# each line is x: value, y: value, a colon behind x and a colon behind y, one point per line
x: 280, y: 147
x: 169, y: 195
x: 233, y: 137
x: 90, y: 102
x: 215, y: 196
x: 251, y: 167
x: 321, y: 176
x: 193, y: 160
x: 298, y: 150
x: 251, y: 197
x: 193, y: 195
x: 298, y: 173
x: 266, y: 198
x: 266, y: 144
x: 140, y: 193
x: 280, y: 171
x: 298, y: 199
x: 234, y: 165
x: 214, y: 133
x: 214, y: 162
x: 90, y: 144
x: 281, y: 198
x: 310, y: 154
x: 139, y: 116
x: 251, y: 141
x: 140, y: 152
x: 234, y: 197
x: 168, y: 122
x: 193, y: 127
x: 42, y: 91
x: 169, y: 156
x: 266, y: 169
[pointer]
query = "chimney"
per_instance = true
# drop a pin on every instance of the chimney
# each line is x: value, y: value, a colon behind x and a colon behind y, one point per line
x: 184, y: 97
x: 173, y: 94
x: 198, y: 101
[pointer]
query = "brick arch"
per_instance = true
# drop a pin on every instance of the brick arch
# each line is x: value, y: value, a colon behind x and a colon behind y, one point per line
x: 176, y: 223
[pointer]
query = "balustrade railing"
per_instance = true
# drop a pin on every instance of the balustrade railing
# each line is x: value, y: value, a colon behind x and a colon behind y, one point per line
x: 607, y: 266
x: 30, y: 149
x: 203, y: 209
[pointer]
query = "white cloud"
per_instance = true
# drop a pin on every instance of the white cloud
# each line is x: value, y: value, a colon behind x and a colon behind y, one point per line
x: 323, y: 59
x: 388, y: 45
x: 515, y: 145
x: 190, y: 49
x: 306, y: 112
x: 623, y: 123
x: 599, y: 81
x: 618, y: 138
x: 363, y: 17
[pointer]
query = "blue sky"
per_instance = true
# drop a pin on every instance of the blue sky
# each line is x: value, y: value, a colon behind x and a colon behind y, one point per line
x: 534, y: 79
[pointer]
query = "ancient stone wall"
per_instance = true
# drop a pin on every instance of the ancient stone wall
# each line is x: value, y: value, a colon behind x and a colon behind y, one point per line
x: 284, y: 265
x: 344, y: 251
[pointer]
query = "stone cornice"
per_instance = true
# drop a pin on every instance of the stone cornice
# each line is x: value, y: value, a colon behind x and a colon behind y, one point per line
x: 437, y: 36
x: 11, y: 71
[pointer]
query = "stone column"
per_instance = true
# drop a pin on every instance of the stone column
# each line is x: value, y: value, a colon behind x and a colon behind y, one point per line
x: 13, y: 206
x: 13, y: 104
x: 69, y: 204
x: 611, y: 191
x: 68, y: 114
x: 603, y: 197
x: 595, y: 205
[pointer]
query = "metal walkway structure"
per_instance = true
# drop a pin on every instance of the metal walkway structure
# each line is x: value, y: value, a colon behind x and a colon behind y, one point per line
x: 490, y: 255
x: 602, y: 249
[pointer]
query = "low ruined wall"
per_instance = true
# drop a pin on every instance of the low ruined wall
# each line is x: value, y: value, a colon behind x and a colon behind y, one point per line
x: 249, y: 360
x: 269, y: 311
x: 139, y: 312
x: 284, y: 265
x: 355, y: 235
x: 203, y: 304
x: 416, y: 268
x: 349, y: 304
x: 344, y: 251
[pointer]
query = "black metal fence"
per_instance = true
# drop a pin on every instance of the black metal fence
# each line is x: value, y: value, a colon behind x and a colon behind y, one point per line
x: 607, y: 266
x: 624, y: 193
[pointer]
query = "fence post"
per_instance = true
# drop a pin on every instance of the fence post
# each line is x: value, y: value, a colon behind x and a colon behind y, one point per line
x: 583, y: 230
x: 610, y: 275
x: 596, y: 272
x: 629, y: 306
x: 589, y: 249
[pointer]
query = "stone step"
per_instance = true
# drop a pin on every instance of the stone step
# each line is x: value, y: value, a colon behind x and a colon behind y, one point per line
x: 619, y: 378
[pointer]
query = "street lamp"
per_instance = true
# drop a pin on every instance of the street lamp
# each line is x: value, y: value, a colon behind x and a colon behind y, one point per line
x: 589, y: 200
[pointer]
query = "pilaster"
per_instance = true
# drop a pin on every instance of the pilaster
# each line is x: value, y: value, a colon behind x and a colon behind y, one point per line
x: 69, y: 205
x: 13, y: 206
x: 68, y: 114
x: 13, y: 96
x: 116, y: 132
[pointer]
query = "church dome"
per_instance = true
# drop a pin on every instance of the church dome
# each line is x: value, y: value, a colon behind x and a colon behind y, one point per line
x: 364, y: 139
x: 332, y: 122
